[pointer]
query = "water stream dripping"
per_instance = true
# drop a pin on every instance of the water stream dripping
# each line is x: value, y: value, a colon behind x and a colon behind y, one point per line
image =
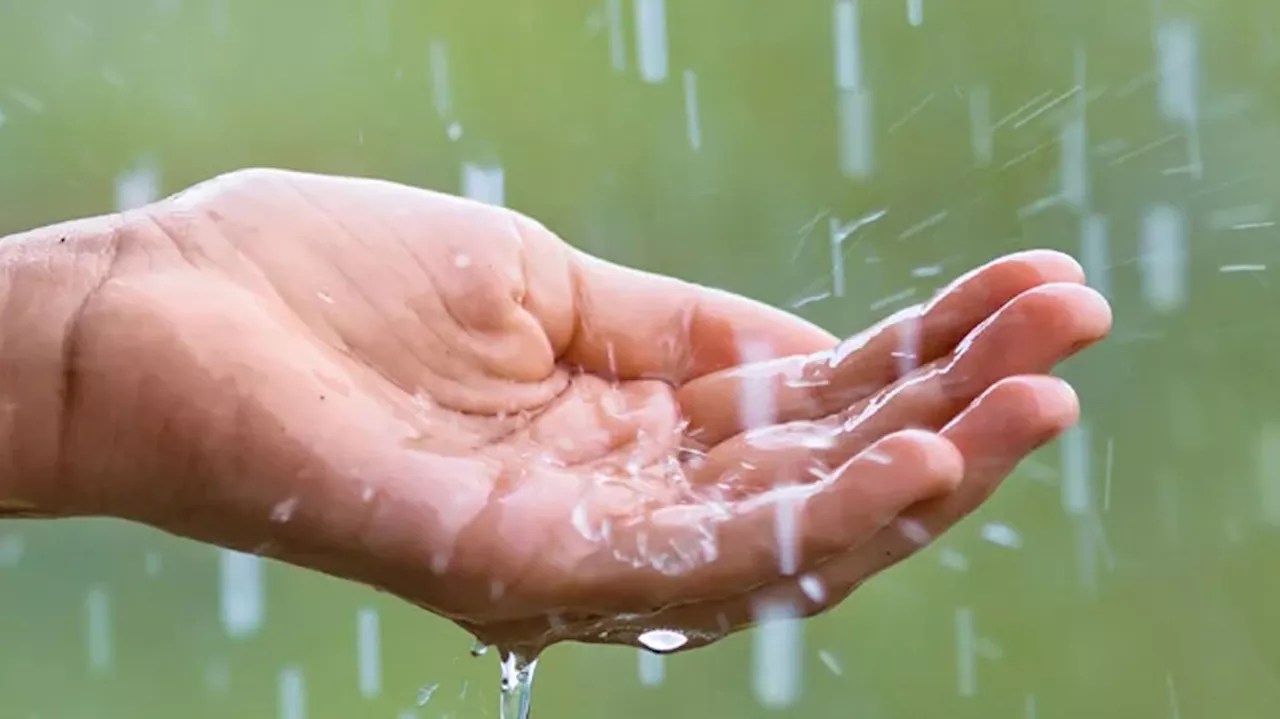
x: 517, y: 686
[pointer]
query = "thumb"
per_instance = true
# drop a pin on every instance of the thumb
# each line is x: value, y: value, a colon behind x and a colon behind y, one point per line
x: 632, y: 323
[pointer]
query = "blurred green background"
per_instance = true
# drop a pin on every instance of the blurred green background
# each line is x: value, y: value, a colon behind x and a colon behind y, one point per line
x: 841, y: 158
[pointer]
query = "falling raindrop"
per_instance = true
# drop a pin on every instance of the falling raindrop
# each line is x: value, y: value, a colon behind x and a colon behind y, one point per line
x: 1268, y: 473
x: 1076, y: 492
x: 776, y: 655
x: 479, y: 648
x: 241, y: 594
x: 137, y: 187
x: 11, y: 546
x: 98, y: 623
x: 915, y: 12
x: 1163, y: 256
x: 693, y: 125
x: 651, y: 39
x: 484, y: 183
x: 966, y: 668
x: 652, y: 668
x: 291, y: 694
x: 368, y: 652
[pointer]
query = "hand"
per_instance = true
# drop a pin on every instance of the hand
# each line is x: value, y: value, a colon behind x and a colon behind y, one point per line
x: 443, y: 400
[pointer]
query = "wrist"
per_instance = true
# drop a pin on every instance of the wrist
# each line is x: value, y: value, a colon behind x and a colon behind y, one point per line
x: 47, y: 277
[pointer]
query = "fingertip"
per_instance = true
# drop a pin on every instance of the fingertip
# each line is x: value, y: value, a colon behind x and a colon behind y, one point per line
x: 1040, y: 404
x: 927, y: 454
x: 1088, y: 313
x: 1051, y: 265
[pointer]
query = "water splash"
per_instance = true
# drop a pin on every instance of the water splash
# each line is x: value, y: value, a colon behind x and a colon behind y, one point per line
x: 517, y: 686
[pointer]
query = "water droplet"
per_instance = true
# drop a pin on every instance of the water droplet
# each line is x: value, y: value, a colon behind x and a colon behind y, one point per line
x: 479, y: 649
x: 813, y: 589
x: 516, y: 686
x: 283, y: 511
x: 1002, y: 534
x: 663, y: 640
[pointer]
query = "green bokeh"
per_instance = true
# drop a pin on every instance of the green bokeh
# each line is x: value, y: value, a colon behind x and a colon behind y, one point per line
x: 1152, y: 603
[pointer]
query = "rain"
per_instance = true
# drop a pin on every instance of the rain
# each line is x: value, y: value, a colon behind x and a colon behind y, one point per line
x: 842, y: 161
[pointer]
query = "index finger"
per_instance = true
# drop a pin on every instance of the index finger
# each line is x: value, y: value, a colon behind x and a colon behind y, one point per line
x: 799, y: 388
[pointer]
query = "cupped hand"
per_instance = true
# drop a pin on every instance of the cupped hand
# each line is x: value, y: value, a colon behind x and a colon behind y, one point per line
x: 443, y: 400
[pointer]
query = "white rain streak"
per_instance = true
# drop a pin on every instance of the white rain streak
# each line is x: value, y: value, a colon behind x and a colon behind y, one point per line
x: 97, y: 608
x: 651, y: 40
x: 240, y: 593
x: 1163, y: 257
x: 1095, y: 252
x: 758, y: 408
x: 440, y: 95
x: 982, y: 134
x: 1106, y: 479
x: 1175, y: 708
x: 853, y: 101
x: 368, y: 652
x: 692, y: 121
x: 848, y: 60
x: 839, y: 232
x: 1073, y: 166
x: 292, y: 694
x: 776, y: 655
x: 137, y: 187
x: 915, y: 13
x: 1268, y: 458
x: 617, y: 40
x: 966, y: 654
x: 1002, y: 535
x: 485, y: 183
x: 1076, y: 491
x: 1073, y: 170
x: 830, y: 662
x: 652, y: 668
x: 1232, y: 269
x: 1177, y: 58
x: 11, y: 547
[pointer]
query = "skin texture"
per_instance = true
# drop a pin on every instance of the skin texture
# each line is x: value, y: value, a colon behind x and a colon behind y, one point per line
x: 445, y: 401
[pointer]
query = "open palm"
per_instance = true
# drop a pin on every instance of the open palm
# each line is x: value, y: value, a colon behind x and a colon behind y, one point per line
x: 443, y: 400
